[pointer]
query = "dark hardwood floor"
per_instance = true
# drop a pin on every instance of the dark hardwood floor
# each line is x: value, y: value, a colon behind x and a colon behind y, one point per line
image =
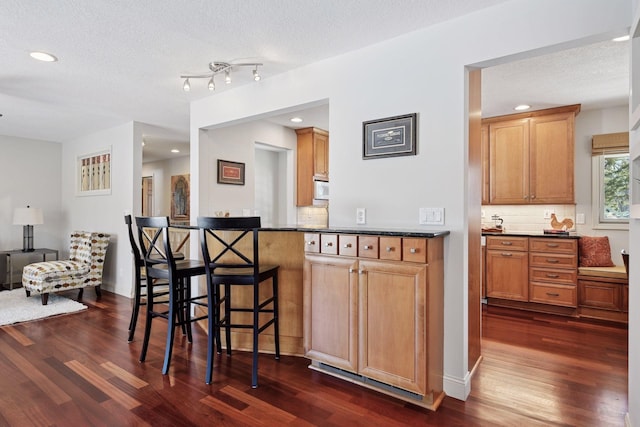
x: 79, y: 370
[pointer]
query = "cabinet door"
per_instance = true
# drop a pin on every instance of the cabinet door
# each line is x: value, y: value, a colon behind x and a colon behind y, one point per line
x: 551, y: 157
x: 508, y: 275
x: 330, y: 310
x: 509, y: 162
x: 392, y: 321
x: 321, y: 156
x: 484, y: 158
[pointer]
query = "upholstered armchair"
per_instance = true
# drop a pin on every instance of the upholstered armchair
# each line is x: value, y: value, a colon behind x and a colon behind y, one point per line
x: 82, y: 269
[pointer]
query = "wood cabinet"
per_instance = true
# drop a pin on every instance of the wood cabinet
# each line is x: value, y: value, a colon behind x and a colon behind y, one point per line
x: 377, y: 312
x: 604, y: 298
x: 484, y: 159
x: 312, y: 162
x: 553, y: 272
x: 531, y: 157
x: 507, y: 268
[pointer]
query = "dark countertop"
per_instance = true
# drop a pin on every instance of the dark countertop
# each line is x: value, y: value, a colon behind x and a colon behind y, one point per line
x: 356, y: 230
x: 571, y: 235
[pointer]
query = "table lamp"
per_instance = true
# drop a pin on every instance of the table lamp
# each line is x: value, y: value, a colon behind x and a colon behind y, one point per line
x: 27, y: 217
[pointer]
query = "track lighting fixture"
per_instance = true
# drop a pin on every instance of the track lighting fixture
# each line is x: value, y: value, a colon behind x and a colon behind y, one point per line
x: 217, y: 68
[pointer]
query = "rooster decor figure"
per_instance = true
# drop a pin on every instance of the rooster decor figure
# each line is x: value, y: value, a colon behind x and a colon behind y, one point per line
x: 565, y: 224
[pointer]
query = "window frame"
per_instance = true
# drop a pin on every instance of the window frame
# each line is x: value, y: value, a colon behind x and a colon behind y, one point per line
x: 597, y: 195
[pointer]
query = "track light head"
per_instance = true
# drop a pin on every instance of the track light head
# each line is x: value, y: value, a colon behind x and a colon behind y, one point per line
x: 227, y: 77
x: 212, y: 84
x: 256, y: 76
x: 186, y: 86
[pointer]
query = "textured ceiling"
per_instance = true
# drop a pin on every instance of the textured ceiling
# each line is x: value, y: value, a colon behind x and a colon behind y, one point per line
x: 120, y: 60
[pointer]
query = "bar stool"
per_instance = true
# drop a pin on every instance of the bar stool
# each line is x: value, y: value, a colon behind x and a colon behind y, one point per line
x: 233, y: 260
x: 161, y: 264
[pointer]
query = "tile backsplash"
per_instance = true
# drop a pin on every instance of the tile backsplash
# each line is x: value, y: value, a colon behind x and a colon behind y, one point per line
x: 526, y: 218
x: 313, y: 216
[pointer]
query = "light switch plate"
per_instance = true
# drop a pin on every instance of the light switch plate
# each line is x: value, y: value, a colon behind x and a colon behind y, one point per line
x: 361, y: 216
x: 431, y: 216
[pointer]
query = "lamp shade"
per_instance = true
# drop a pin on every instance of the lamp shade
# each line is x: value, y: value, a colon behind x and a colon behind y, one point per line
x: 27, y: 216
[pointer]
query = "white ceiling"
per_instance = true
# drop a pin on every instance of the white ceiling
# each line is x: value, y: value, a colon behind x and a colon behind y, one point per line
x: 120, y: 60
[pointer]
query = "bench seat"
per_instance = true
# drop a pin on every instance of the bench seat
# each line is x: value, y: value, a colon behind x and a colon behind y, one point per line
x: 615, y: 272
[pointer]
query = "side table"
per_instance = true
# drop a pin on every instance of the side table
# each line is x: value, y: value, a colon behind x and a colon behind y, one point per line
x: 17, y: 253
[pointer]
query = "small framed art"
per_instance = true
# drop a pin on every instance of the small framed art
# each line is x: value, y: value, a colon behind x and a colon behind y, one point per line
x: 230, y: 172
x: 389, y: 137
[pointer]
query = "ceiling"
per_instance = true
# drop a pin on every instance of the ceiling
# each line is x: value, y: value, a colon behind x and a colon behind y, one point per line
x: 120, y: 61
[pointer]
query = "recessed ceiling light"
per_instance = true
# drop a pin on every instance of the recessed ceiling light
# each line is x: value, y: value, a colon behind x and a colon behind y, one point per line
x: 522, y: 107
x: 622, y: 38
x: 296, y: 120
x: 43, y: 56
x: 175, y: 150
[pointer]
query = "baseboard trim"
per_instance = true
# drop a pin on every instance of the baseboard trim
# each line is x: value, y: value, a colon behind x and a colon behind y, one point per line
x: 458, y: 388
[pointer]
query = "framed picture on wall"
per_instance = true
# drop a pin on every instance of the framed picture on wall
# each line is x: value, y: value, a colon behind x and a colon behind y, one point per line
x: 180, y: 198
x: 93, y: 172
x: 389, y: 137
x: 230, y: 172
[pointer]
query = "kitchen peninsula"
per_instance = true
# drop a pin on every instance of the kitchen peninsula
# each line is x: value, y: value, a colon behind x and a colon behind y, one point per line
x: 365, y: 305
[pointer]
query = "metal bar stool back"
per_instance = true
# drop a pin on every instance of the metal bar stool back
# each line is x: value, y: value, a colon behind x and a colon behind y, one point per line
x: 230, y: 250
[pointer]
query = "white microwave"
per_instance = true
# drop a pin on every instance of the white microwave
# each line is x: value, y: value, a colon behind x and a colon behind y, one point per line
x: 321, y: 190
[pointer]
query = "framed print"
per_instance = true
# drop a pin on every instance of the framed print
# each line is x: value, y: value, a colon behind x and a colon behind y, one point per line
x: 389, y: 137
x: 93, y: 173
x: 230, y: 172
x: 180, y: 198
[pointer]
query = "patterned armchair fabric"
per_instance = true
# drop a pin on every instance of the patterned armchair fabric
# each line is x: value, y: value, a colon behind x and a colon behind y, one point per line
x: 83, y: 268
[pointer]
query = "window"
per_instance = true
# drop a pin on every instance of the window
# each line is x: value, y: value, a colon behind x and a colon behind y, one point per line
x: 611, y: 180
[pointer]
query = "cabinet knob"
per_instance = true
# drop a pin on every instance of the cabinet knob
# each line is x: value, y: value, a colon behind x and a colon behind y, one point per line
x: 351, y: 270
x: 361, y: 271
x: 533, y: 196
x: 311, y: 243
x: 366, y: 247
x: 389, y: 249
x: 413, y: 250
x: 328, y: 244
x: 347, y: 245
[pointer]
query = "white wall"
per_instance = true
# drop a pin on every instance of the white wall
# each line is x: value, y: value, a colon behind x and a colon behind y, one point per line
x: 422, y: 72
x: 30, y: 174
x: 105, y: 213
x: 589, y: 123
x: 237, y: 144
x: 162, y: 171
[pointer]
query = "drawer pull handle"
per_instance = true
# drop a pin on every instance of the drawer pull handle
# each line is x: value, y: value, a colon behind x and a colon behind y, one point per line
x: 328, y: 244
x: 389, y: 249
x: 347, y: 245
x: 552, y: 245
x: 311, y: 243
x: 552, y: 276
x: 506, y: 243
x: 413, y: 250
x: 552, y: 260
x: 507, y: 254
x: 553, y: 294
x: 366, y: 247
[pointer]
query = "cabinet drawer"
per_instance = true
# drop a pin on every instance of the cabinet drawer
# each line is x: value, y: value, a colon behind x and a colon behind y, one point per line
x: 312, y: 243
x: 368, y: 247
x: 553, y: 260
x: 329, y: 244
x: 391, y: 248
x: 507, y: 243
x: 600, y: 295
x: 551, y: 275
x: 348, y: 245
x: 548, y: 293
x: 554, y: 245
x: 414, y: 250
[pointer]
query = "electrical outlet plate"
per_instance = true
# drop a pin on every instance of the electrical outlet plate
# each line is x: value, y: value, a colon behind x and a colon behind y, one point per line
x: 361, y: 216
x: 547, y: 214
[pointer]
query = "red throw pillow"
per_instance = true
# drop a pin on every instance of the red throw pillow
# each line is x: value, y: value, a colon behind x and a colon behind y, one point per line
x: 595, y: 252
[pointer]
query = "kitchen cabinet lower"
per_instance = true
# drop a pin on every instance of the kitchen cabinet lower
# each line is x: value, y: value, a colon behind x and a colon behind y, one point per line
x: 507, y: 268
x: 375, y: 316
